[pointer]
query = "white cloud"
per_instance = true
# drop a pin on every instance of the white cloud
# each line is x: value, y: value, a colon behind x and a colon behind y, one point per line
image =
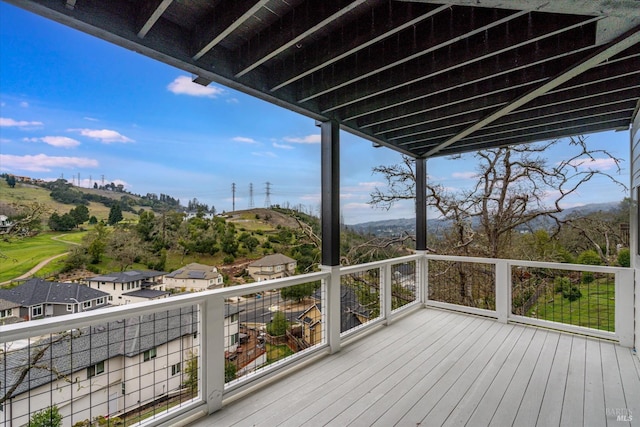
x: 56, y: 141
x: 264, y: 154
x: 91, y: 119
x: 43, y: 163
x: 602, y: 164
x: 183, y: 85
x: 464, y: 175
x: 105, y: 135
x: 283, y: 146
x: 309, y: 139
x: 233, y: 101
x: 24, y: 104
x: 7, y: 122
x: 244, y: 140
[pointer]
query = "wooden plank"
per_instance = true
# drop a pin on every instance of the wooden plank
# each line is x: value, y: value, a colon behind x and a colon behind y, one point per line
x: 552, y: 402
x: 401, y: 397
x: 630, y: 382
x: 484, y: 411
x: 356, y: 398
x: 445, y: 402
x: 508, y: 408
x: 349, y: 387
x: 531, y: 402
x: 594, y: 410
x: 573, y: 403
x: 614, y: 399
x: 472, y: 396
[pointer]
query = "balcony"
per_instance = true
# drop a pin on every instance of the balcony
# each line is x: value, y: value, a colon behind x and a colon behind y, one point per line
x: 422, y: 339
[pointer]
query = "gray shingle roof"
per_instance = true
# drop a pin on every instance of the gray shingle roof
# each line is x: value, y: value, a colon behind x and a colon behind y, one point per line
x: 39, y: 291
x: 271, y: 260
x: 127, y: 276
x: 93, y: 344
x: 146, y: 293
x: 195, y: 271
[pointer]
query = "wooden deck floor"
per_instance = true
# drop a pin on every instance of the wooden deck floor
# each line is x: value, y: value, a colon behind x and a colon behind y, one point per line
x: 434, y: 368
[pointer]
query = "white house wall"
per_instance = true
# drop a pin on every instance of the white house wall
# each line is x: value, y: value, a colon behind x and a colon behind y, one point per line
x: 635, y: 218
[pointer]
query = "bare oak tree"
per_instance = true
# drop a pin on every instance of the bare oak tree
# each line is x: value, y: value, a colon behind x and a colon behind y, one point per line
x: 515, y: 185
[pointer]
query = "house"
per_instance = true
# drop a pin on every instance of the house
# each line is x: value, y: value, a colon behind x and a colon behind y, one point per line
x: 275, y: 266
x: 127, y: 287
x: 5, y: 224
x: 114, y: 368
x: 194, y: 277
x: 38, y: 298
x: 9, y: 311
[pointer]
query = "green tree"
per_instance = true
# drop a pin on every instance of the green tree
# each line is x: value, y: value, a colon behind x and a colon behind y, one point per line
x: 299, y: 292
x: 96, y: 242
x: 230, y: 371
x: 125, y: 247
x: 80, y: 214
x: 624, y: 258
x: 49, y: 417
x: 115, y: 214
x: 64, y: 222
x: 278, y: 325
x: 11, y: 181
x: 191, y: 372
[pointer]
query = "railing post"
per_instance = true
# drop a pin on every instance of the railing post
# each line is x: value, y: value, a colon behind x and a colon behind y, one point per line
x: 212, y: 358
x: 624, y: 306
x: 333, y: 310
x: 385, y: 292
x: 503, y: 290
x: 422, y: 277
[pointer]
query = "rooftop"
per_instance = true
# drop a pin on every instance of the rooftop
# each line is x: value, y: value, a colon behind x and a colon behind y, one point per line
x: 39, y: 291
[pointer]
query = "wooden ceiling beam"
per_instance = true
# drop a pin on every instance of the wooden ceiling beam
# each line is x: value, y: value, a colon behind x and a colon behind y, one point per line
x: 621, y: 43
x: 227, y: 17
x: 304, y: 23
x: 150, y: 12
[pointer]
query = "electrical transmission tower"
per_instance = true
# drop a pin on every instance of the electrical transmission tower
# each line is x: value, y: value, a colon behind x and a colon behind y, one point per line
x: 233, y: 198
x: 250, y: 195
x: 267, y: 199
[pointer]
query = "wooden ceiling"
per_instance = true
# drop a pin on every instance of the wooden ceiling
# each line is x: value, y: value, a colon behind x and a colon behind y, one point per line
x: 425, y: 78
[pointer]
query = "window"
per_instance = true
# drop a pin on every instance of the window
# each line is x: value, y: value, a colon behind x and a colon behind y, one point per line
x: 100, y: 301
x: 96, y: 369
x: 175, y: 369
x: 5, y: 313
x: 70, y: 307
x: 86, y: 304
x: 149, y: 354
x: 110, y: 297
x: 233, y: 339
x: 36, y: 311
x: 124, y: 388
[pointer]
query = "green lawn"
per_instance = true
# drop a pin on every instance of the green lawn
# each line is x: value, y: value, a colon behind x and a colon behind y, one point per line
x: 18, y: 256
x: 277, y: 352
x: 594, y: 309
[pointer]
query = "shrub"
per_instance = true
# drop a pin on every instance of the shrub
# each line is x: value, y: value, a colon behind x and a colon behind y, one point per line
x: 561, y: 283
x: 624, y: 258
x: 571, y: 293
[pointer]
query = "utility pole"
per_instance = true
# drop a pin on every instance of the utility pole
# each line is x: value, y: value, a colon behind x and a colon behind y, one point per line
x: 267, y: 200
x: 250, y: 195
x: 233, y: 192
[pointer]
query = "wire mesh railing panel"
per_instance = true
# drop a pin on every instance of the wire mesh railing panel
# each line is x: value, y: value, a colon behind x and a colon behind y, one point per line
x: 404, y: 284
x: 107, y: 373
x: 579, y: 298
x: 469, y: 284
x: 268, y: 327
x: 360, y: 298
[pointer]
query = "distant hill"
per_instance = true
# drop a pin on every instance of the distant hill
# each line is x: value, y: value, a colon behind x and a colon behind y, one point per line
x: 395, y: 227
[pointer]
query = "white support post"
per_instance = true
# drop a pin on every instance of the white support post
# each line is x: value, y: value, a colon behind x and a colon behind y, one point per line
x: 385, y: 292
x: 422, y: 277
x: 333, y: 308
x: 503, y: 290
x: 624, y: 307
x: 212, y: 356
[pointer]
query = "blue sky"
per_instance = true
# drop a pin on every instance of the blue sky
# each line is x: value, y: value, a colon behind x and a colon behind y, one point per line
x: 71, y: 104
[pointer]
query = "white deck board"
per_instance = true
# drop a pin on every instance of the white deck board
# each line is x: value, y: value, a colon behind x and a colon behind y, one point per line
x: 435, y: 367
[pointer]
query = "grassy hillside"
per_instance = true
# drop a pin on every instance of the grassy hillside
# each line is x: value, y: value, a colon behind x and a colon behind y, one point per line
x: 23, y: 194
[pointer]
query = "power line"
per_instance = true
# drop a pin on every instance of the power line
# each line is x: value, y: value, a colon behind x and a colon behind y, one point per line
x: 267, y: 199
x: 233, y: 192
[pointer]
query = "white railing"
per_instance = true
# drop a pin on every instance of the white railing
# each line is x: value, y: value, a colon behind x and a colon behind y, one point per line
x: 349, y: 301
x: 585, y: 299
